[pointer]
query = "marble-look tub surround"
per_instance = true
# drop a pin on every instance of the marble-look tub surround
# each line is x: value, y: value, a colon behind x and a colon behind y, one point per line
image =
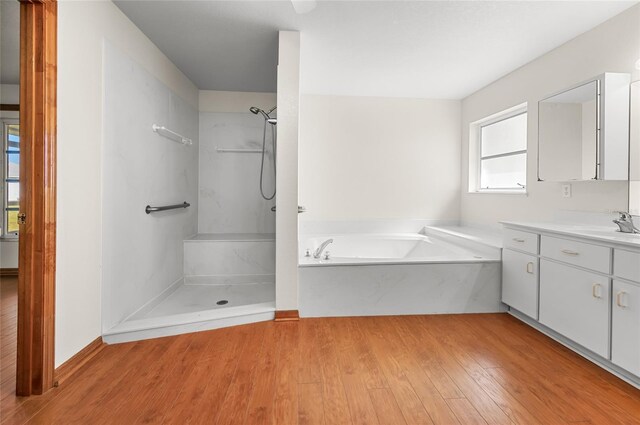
x: 373, y: 290
x: 143, y: 254
x: 399, y: 287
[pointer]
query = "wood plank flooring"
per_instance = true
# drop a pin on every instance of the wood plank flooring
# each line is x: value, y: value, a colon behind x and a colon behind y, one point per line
x: 8, y: 338
x: 449, y: 369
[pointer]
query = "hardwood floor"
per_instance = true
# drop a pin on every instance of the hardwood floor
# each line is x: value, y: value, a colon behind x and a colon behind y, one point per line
x: 8, y: 337
x: 450, y: 369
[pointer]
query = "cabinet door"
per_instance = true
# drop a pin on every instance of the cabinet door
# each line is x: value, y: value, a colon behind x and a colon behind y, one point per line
x: 575, y: 303
x: 520, y: 282
x: 626, y: 264
x: 625, y: 338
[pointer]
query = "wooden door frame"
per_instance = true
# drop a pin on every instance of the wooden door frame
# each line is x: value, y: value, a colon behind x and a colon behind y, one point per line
x: 37, y: 241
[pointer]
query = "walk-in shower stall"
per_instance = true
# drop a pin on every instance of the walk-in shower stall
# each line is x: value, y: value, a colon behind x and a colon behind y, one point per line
x: 188, y: 209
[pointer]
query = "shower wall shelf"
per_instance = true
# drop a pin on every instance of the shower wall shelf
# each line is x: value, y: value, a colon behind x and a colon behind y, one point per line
x: 233, y: 150
x: 171, y: 135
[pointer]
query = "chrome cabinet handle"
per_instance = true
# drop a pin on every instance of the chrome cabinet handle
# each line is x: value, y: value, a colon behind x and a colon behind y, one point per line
x: 569, y: 252
x: 620, y: 299
x: 530, y: 268
x: 595, y: 290
x: 518, y: 240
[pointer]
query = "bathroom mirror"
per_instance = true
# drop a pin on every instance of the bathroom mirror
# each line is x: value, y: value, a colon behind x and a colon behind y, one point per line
x: 583, y: 131
x: 634, y: 163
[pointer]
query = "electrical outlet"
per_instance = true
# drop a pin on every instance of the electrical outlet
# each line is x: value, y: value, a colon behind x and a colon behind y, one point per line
x: 566, y: 191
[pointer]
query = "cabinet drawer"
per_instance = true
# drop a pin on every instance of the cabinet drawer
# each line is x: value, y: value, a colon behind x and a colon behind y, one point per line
x: 521, y: 241
x: 581, y: 254
x: 520, y: 282
x: 575, y: 303
x: 625, y: 326
x: 626, y: 264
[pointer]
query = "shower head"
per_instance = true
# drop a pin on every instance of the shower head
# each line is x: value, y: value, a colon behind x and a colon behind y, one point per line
x: 256, y: 110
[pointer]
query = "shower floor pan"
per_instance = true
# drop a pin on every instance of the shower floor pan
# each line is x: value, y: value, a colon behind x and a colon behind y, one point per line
x: 199, y: 303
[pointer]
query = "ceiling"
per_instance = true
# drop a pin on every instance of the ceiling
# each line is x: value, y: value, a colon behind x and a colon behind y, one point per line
x: 431, y: 49
x: 9, y: 42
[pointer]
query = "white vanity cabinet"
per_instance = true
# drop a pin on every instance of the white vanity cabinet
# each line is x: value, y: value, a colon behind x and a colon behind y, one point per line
x: 625, y: 316
x: 520, y: 281
x: 625, y: 326
x: 580, y: 289
x: 576, y: 303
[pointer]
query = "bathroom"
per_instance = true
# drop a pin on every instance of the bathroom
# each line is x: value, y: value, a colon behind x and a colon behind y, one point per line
x: 380, y: 206
x: 228, y: 164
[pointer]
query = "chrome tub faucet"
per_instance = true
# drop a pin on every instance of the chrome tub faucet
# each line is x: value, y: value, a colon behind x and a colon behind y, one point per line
x: 318, y: 252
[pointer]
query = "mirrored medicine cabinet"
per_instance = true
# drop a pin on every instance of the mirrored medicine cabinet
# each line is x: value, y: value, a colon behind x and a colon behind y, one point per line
x: 583, y: 131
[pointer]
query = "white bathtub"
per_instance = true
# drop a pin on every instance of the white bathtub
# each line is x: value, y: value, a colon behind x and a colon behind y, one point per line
x: 391, y: 248
x: 397, y: 273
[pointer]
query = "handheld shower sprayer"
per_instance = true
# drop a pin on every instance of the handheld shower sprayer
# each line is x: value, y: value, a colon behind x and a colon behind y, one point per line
x: 273, y: 121
x: 266, y: 115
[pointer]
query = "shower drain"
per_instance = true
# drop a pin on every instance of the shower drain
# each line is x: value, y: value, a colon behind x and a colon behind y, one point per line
x: 222, y: 302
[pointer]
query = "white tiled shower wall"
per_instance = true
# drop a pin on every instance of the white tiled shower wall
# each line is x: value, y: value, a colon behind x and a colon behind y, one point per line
x: 143, y: 254
x: 229, y: 195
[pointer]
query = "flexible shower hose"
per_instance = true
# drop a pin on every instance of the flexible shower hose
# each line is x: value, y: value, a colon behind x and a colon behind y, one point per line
x: 264, y: 146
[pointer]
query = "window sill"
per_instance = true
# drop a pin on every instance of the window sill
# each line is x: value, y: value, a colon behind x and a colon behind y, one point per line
x: 499, y: 192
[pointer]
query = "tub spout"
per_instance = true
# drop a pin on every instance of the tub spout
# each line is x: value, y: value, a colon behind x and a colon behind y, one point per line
x: 318, y: 252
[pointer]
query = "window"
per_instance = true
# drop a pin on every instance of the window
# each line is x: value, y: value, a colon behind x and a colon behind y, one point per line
x: 11, y: 181
x: 500, y: 153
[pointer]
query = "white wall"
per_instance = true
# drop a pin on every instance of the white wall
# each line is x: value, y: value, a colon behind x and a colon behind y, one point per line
x: 234, y: 101
x: 9, y: 93
x: 229, y: 194
x: 143, y: 253
x: 613, y: 46
x: 82, y: 28
x: 287, y: 164
x: 379, y: 158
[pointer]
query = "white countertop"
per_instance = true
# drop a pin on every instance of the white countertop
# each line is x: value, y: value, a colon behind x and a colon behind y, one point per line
x: 487, y: 236
x: 600, y: 233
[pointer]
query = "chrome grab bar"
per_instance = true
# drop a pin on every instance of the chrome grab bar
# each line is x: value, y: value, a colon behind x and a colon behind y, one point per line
x: 149, y: 209
x: 237, y: 150
x: 301, y: 209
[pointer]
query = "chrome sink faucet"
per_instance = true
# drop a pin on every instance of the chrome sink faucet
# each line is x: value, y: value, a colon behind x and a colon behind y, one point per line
x: 625, y: 223
x: 318, y: 252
